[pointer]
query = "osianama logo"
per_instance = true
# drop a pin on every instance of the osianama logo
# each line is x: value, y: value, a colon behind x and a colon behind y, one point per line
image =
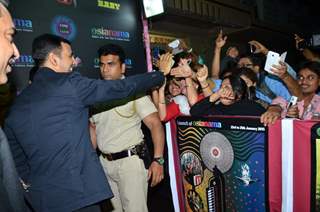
x: 24, y: 25
x: 24, y: 61
x: 109, y: 4
x: 64, y: 26
x: 128, y: 63
x: 108, y: 34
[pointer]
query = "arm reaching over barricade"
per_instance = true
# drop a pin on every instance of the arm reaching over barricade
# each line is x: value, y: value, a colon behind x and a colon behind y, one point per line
x: 271, y: 115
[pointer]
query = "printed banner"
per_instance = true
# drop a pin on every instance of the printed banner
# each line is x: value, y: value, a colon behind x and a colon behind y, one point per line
x: 315, y: 173
x: 223, y: 164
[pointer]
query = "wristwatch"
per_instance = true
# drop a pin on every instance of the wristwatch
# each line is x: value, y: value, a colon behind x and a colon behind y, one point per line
x: 159, y: 160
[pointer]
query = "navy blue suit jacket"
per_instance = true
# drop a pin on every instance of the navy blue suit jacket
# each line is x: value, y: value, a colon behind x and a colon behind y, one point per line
x: 47, y: 129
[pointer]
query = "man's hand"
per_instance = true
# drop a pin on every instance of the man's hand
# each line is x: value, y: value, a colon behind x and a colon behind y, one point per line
x: 165, y: 63
x: 280, y: 70
x: 202, y: 74
x: 221, y: 40
x: 259, y: 47
x: 155, y: 173
x: 271, y: 116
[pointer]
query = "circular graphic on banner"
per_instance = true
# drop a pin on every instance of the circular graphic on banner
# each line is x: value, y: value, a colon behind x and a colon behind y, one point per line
x: 64, y: 26
x: 192, y: 169
x: 195, y: 202
x: 216, y: 150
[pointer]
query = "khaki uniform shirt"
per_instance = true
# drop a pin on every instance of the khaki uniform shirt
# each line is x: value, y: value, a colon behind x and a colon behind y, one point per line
x: 120, y: 128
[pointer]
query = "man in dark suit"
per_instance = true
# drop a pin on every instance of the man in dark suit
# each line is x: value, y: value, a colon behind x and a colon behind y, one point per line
x: 47, y: 129
x: 11, y: 193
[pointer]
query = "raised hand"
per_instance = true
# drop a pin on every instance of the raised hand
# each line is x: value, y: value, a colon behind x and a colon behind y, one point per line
x: 298, y: 39
x: 183, y: 70
x: 202, y: 74
x: 165, y: 63
x: 221, y: 40
x: 280, y: 70
x: 259, y: 47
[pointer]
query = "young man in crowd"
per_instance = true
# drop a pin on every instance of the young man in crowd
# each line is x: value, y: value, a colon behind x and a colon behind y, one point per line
x: 308, y: 105
x: 116, y: 130
x: 47, y: 129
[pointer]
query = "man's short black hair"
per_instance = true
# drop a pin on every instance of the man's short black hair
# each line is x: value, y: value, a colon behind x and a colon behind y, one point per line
x: 114, y: 50
x: 45, y: 44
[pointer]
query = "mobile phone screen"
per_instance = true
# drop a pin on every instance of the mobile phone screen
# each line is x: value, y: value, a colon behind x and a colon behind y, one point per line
x: 273, y: 58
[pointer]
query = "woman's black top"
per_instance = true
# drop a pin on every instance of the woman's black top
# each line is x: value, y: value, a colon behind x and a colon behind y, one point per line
x: 239, y: 108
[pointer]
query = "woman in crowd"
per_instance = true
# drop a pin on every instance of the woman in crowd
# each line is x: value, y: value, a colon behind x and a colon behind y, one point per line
x: 172, y: 101
x: 182, y: 90
x: 230, y: 99
x: 251, y: 80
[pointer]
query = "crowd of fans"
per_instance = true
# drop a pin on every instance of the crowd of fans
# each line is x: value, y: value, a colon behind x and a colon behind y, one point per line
x: 238, y: 84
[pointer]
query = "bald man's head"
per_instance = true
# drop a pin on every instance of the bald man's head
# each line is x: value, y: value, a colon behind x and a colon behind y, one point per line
x: 8, y: 50
x: 4, y: 2
x: 3, y: 5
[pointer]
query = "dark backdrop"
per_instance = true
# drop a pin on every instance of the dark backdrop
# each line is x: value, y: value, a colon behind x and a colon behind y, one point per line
x: 88, y: 24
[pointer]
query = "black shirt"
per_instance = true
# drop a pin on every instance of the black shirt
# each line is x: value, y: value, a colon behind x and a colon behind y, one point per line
x: 239, y: 108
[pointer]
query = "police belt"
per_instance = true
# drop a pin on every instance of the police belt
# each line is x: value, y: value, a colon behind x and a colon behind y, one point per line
x: 136, y: 150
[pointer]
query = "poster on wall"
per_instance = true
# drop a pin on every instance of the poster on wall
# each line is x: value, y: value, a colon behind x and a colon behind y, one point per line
x: 223, y: 163
x: 88, y: 24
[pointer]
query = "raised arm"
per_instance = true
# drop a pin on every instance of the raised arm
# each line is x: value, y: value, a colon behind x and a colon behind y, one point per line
x: 184, y: 71
x: 202, y: 76
x: 220, y: 42
x: 162, y: 104
x: 91, y: 91
x: 307, y: 53
x: 292, y: 85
